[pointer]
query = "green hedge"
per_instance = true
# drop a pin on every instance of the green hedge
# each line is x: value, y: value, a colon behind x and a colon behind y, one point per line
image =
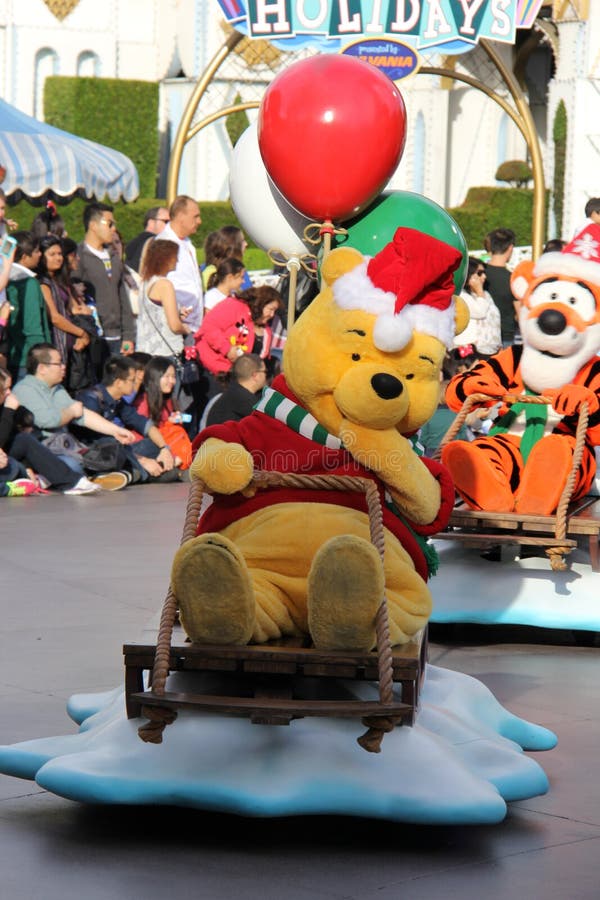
x: 486, y: 208
x: 117, y: 113
x: 130, y: 220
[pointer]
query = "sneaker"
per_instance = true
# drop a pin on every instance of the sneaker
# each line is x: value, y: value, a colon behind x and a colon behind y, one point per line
x: 111, y: 481
x: 21, y: 487
x: 83, y: 486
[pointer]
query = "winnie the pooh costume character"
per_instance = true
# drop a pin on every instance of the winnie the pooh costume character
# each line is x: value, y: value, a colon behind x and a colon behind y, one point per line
x: 524, y: 462
x: 362, y: 368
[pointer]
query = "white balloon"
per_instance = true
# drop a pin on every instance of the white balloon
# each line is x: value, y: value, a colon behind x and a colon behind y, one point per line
x: 260, y: 208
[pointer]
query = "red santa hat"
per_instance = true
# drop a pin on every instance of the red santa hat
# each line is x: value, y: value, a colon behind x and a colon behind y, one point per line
x: 580, y: 259
x: 409, y: 287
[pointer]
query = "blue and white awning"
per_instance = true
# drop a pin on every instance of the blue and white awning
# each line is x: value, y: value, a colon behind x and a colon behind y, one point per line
x: 42, y: 161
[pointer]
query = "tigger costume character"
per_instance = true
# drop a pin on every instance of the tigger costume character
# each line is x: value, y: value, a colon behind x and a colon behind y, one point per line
x: 524, y: 462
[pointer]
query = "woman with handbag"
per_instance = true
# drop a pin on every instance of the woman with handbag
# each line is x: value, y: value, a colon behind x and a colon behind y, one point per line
x: 161, y: 325
x: 159, y: 404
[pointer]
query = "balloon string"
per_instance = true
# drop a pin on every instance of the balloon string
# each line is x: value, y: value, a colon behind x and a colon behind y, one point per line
x: 314, y: 232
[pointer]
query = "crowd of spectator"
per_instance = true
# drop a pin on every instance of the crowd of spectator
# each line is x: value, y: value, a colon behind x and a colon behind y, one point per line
x: 113, y: 355
x: 107, y: 358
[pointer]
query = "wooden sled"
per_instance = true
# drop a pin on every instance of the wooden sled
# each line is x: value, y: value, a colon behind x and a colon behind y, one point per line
x: 557, y: 534
x: 281, y: 680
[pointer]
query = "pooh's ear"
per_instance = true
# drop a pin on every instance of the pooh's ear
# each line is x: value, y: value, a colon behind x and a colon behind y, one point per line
x: 338, y: 262
x: 521, y: 278
x: 461, y: 314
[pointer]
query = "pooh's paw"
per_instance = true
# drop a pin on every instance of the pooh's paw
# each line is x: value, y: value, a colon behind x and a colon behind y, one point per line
x: 214, y: 592
x: 345, y: 589
x: 224, y: 468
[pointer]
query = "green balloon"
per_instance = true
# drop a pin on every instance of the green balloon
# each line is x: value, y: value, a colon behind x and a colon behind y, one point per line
x: 370, y: 231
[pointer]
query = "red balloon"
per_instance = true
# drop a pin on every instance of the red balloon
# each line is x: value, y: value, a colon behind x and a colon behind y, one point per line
x: 331, y: 132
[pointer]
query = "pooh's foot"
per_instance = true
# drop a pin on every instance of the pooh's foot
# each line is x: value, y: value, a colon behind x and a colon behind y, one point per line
x: 480, y: 484
x: 345, y: 588
x: 212, y: 585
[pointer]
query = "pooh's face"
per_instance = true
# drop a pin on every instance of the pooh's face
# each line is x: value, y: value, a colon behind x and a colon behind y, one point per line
x: 332, y: 365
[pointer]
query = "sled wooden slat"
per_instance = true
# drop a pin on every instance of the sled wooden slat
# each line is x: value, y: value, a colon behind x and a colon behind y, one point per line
x: 267, y: 707
x: 572, y: 518
x: 478, y: 528
x: 278, y: 658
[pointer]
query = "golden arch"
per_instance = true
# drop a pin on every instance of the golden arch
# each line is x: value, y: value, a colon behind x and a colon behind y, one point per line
x: 520, y: 115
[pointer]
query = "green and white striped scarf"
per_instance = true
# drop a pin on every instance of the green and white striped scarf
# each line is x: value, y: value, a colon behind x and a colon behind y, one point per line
x: 274, y: 404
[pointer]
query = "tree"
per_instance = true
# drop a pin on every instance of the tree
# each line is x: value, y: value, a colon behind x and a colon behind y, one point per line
x: 515, y: 172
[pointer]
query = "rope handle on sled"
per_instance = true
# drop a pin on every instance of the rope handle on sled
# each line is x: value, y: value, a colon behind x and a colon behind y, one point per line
x: 556, y: 554
x: 371, y: 740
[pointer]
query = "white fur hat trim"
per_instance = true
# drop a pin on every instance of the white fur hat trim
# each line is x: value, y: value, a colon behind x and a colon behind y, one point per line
x: 392, y: 331
x: 570, y: 264
x: 355, y: 290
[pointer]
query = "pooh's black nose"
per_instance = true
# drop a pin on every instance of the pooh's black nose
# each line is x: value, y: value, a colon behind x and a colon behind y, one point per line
x: 386, y: 386
x: 552, y: 321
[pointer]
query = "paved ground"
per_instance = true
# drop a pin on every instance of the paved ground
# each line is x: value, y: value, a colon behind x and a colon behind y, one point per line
x: 80, y: 575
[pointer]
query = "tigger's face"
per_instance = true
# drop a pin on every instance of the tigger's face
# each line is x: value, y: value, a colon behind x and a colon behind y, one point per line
x: 560, y: 327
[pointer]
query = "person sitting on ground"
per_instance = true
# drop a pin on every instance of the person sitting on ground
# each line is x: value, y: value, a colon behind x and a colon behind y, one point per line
x: 38, y: 464
x: 13, y: 478
x: 248, y: 378
x: 138, y: 360
x: 42, y: 392
x: 159, y: 404
x: 161, y: 325
x: 148, y: 452
x: 28, y: 320
x: 225, y: 281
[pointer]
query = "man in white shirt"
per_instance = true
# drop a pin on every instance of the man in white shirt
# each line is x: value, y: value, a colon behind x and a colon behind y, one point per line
x: 185, y: 277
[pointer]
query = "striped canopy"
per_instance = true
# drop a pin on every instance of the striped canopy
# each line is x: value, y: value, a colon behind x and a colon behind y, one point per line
x: 44, y: 162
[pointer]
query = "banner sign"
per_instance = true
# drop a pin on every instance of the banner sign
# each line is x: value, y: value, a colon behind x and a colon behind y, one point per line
x: 450, y: 26
x: 396, y: 59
